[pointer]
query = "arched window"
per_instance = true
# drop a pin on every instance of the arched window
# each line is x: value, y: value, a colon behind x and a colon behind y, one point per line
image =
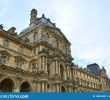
x: 46, y: 37
x: 7, y: 85
x: 35, y: 37
x: 63, y: 89
x: 48, y: 88
x: 25, y: 87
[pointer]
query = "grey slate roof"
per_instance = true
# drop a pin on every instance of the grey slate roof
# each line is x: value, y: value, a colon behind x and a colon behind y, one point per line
x: 41, y: 20
x: 94, y: 69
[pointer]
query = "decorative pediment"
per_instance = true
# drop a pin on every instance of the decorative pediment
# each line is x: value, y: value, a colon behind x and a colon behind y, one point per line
x: 19, y: 57
x: 34, y: 60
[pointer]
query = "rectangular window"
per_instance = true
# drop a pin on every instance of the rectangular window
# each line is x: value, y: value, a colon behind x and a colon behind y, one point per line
x: 3, y: 59
x: 35, y: 37
x: 20, y: 49
x: 19, y: 63
x: 6, y: 43
x: 34, y: 51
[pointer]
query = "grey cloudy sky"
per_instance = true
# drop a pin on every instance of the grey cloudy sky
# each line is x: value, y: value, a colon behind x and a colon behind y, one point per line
x: 85, y: 23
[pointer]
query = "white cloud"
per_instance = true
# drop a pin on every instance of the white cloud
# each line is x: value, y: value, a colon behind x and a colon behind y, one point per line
x: 3, y: 4
x: 87, y: 29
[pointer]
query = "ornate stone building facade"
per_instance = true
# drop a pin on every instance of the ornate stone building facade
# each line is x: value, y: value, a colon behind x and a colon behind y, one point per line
x: 39, y: 60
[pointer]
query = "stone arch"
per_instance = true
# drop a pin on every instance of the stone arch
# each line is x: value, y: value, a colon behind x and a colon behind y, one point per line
x: 48, y: 87
x: 63, y: 89
x: 9, y: 77
x: 26, y: 86
x: 7, y: 85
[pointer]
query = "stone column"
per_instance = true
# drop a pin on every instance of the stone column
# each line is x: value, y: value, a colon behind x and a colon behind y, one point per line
x: 59, y: 67
x: 38, y: 86
x: 70, y: 73
x: 40, y: 64
x: 57, y: 71
x: 56, y: 67
x: 43, y: 65
x: 69, y: 88
x: 57, y: 87
x: 34, y: 86
x: 65, y: 75
x: 43, y: 87
x: 67, y: 72
x: 52, y: 68
x: 17, y: 87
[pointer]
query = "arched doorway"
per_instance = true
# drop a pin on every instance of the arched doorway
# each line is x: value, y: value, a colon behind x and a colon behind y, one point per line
x: 6, y: 85
x: 63, y: 89
x: 25, y: 87
x: 48, y: 88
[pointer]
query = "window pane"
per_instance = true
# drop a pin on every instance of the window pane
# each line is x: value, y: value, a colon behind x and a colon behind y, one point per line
x: 35, y: 37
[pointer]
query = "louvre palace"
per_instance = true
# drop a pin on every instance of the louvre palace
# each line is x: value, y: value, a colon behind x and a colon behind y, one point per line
x: 39, y: 59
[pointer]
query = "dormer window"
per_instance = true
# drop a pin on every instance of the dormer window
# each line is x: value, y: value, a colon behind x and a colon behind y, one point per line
x: 35, y: 37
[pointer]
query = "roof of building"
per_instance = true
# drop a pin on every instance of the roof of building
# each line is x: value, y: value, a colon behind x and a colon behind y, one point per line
x: 94, y: 69
x: 42, y: 20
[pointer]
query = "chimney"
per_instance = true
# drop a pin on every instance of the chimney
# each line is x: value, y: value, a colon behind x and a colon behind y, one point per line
x: 1, y: 26
x: 33, y: 17
x: 12, y: 30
